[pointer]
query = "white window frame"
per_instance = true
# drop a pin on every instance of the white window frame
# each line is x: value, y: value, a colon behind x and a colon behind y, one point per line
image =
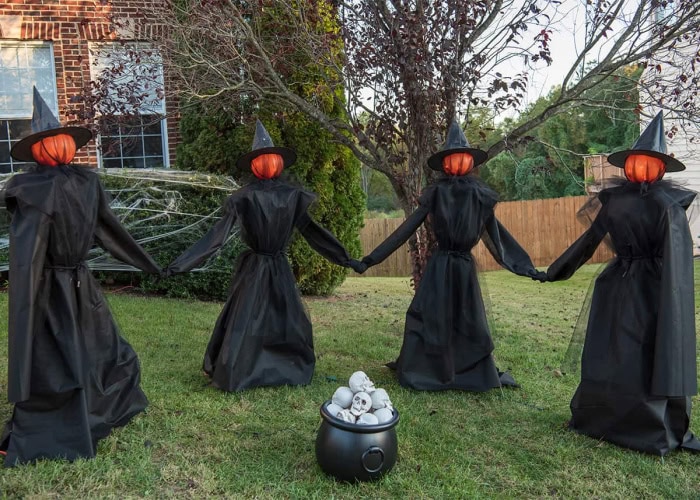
x: 95, y: 48
x: 26, y: 113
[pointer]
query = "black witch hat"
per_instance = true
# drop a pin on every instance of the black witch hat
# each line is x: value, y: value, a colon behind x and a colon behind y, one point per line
x: 652, y: 142
x: 456, y: 143
x: 45, y: 124
x: 262, y: 144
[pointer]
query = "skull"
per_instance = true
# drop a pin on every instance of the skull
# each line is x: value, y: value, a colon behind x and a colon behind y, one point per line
x: 367, y: 419
x: 346, y: 416
x: 380, y: 399
x: 384, y: 415
x: 334, y: 409
x: 361, y: 403
x: 360, y: 382
x: 342, y: 397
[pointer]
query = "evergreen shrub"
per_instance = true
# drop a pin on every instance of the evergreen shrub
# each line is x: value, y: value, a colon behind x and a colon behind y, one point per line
x: 212, y: 142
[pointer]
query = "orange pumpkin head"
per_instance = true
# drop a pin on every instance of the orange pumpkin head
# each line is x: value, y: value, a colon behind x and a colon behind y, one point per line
x: 267, y: 166
x: 457, y: 163
x: 644, y: 168
x: 54, y: 150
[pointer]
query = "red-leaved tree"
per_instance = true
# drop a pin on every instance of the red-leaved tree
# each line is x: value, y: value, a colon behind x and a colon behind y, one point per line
x: 410, y: 67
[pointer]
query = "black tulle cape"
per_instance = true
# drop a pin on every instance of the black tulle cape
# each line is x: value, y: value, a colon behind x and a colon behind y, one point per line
x: 72, y: 377
x: 447, y: 343
x: 638, y: 366
x: 263, y: 336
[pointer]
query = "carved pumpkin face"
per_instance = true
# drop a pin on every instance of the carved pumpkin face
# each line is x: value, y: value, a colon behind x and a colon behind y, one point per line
x: 644, y: 168
x: 267, y: 166
x: 457, y: 163
x: 54, y: 150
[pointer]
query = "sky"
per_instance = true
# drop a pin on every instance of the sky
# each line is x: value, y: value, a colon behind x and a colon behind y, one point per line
x: 567, y: 38
x: 568, y: 33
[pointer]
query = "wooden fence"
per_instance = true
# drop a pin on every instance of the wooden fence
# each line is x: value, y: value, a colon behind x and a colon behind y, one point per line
x: 545, y: 228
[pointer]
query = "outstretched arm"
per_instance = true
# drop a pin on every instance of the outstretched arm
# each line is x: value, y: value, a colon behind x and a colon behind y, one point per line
x: 578, y: 253
x: 506, y: 250
x: 398, y: 237
x: 323, y: 242
x: 114, y: 238
x: 209, y: 244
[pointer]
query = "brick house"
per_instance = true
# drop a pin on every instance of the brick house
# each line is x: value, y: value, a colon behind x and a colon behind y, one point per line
x: 56, y: 45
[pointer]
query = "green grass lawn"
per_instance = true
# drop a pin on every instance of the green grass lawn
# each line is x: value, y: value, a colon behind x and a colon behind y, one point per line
x: 195, y: 441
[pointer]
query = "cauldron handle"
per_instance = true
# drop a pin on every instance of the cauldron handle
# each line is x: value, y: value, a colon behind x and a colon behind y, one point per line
x: 372, y: 450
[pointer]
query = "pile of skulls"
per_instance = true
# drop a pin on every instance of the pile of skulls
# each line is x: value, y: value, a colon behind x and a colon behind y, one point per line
x: 361, y: 403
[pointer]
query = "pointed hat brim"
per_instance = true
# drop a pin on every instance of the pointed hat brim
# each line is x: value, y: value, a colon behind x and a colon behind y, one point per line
x: 456, y: 142
x: 288, y: 155
x: 672, y: 165
x: 262, y: 144
x: 22, y: 150
x: 435, y: 161
x: 651, y: 142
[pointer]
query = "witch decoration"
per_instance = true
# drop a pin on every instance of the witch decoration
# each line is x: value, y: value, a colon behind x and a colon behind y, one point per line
x: 447, y: 343
x: 263, y: 336
x: 638, y: 367
x: 71, y: 377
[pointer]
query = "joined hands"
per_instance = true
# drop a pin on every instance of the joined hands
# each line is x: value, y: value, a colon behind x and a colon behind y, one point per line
x: 358, y: 266
x: 540, y: 276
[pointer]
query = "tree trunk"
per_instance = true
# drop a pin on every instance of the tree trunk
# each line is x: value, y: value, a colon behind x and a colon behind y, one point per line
x: 408, y: 185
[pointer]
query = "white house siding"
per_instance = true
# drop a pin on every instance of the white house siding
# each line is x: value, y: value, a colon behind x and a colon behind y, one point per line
x: 687, y: 152
x: 685, y: 144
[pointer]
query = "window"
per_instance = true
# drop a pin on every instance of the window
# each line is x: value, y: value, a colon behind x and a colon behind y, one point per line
x: 135, y: 144
x: 22, y: 65
x: 133, y: 132
x: 665, y: 13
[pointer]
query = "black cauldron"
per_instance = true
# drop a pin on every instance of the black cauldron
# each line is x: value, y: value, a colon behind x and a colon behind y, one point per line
x: 352, y: 452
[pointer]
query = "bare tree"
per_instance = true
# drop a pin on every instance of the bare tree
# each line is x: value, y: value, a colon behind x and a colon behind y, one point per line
x: 410, y: 67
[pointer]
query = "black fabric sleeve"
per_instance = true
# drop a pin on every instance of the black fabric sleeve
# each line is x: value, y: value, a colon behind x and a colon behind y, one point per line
x: 29, y: 234
x: 398, y: 237
x: 578, y: 253
x: 111, y: 235
x: 675, y: 366
x: 505, y: 249
x: 208, y: 245
x: 323, y: 241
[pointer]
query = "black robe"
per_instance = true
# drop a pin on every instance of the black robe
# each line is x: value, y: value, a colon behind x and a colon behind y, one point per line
x: 263, y: 336
x: 638, y: 368
x: 71, y: 376
x: 447, y: 343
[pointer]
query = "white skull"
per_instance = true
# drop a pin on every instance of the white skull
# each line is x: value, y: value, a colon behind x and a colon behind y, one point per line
x: 360, y: 382
x: 333, y: 409
x: 342, y: 397
x: 367, y: 419
x: 383, y: 415
x: 346, y: 416
x: 361, y: 403
x: 380, y: 399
